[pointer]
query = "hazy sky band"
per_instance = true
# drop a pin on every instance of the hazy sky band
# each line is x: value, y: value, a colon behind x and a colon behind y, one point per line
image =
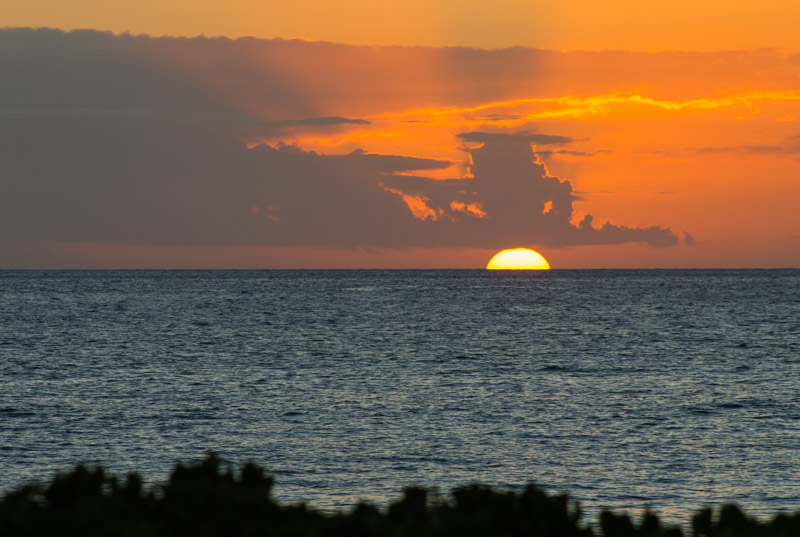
x: 631, y: 25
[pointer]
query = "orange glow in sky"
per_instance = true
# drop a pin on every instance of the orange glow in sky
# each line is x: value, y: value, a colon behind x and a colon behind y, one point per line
x: 642, y: 134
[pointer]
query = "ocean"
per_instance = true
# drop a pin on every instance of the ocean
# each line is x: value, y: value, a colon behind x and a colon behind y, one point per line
x: 673, y: 389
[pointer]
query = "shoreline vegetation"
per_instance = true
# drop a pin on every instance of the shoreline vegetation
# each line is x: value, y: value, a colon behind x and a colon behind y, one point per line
x: 207, y: 499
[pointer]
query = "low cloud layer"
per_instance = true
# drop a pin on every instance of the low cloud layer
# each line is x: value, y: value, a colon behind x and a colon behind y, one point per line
x: 103, y: 141
x: 142, y: 183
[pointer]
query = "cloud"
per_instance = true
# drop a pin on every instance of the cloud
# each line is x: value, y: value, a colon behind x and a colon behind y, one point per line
x: 143, y: 141
x: 140, y: 183
x: 519, y: 203
x: 191, y: 116
x: 269, y: 79
x: 148, y: 183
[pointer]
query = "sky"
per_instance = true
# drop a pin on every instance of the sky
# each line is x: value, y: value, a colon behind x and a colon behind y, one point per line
x: 312, y: 134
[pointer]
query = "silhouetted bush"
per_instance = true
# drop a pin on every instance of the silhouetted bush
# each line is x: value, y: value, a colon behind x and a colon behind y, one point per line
x: 208, y: 500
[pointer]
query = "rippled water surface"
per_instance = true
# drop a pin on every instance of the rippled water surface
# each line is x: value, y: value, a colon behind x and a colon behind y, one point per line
x: 625, y: 388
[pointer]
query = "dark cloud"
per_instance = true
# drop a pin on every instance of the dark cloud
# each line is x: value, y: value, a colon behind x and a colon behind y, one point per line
x: 521, y: 202
x: 194, y: 116
x: 52, y: 71
x: 147, y: 183
x: 140, y: 183
x: 103, y: 139
x: 268, y: 79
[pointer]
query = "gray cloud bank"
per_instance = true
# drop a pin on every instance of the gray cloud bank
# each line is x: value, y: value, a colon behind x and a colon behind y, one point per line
x: 125, y: 140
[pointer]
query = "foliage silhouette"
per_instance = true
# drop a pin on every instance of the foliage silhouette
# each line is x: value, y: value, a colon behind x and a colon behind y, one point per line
x: 208, y: 500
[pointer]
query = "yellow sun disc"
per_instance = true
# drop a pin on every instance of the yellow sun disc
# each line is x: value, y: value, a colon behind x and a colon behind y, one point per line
x: 518, y: 259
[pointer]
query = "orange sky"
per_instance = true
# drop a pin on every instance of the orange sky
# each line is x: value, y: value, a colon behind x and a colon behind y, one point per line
x: 703, y: 142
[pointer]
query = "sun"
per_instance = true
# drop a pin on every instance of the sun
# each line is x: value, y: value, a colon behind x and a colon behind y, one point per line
x: 518, y: 259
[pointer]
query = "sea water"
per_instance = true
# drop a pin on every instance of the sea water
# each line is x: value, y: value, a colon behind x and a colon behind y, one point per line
x: 668, y: 388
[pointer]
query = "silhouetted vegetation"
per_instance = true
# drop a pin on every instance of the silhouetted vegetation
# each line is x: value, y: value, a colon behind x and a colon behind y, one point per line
x: 208, y: 500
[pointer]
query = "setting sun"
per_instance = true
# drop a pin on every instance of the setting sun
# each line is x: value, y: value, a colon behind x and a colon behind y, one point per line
x: 518, y: 259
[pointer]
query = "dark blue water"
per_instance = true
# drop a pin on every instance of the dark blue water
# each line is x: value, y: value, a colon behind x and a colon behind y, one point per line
x: 625, y: 388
